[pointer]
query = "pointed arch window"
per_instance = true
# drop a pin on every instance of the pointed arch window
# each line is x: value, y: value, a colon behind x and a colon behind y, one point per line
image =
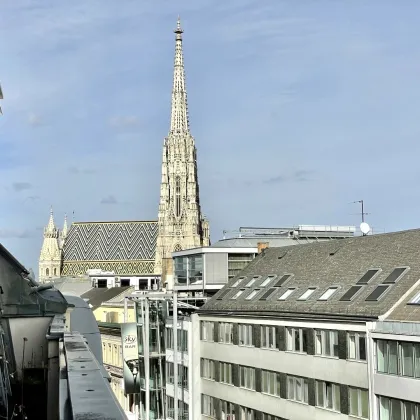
x: 55, y: 271
x: 47, y: 271
x: 177, y: 196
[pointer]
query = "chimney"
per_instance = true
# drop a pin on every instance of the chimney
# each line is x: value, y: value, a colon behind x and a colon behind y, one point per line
x: 261, y: 246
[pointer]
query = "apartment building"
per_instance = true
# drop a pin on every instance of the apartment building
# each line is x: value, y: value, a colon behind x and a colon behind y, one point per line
x: 320, y: 331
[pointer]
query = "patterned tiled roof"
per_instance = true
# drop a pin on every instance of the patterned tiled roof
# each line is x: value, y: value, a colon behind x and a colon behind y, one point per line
x: 111, y: 241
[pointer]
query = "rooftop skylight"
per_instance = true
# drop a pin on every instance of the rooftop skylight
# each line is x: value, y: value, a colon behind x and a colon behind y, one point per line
x: 348, y: 296
x: 236, y: 284
x: 286, y: 294
x: 267, y: 280
x: 223, y: 294
x: 252, y: 294
x: 328, y: 293
x: 416, y: 299
x: 395, y: 275
x: 378, y: 292
x: 237, y: 294
x: 367, y: 276
x: 306, y: 294
x: 267, y: 294
x: 282, y: 279
x: 252, y: 281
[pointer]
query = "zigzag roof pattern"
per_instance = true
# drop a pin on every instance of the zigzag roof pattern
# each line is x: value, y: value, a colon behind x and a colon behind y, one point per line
x: 111, y: 241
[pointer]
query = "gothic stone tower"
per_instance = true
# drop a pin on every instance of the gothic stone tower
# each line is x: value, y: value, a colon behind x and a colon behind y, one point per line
x: 181, y: 224
x: 50, y: 258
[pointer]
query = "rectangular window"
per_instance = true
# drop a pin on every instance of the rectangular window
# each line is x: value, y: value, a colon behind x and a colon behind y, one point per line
x: 356, y: 345
x: 267, y: 294
x: 416, y: 299
x: 171, y: 407
x: 228, y: 410
x: 268, y: 337
x: 245, y: 335
x: 208, y: 370
x: 252, y: 281
x: 377, y: 293
x: 282, y: 280
x: 246, y: 413
x: 297, y: 340
x: 226, y: 332
x: 297, y: 389
x: 169, y: 338
x: 237, y: 294
x: 226, y: 373
x: 170, y: 372
x: 326, y: 343
x: 207, y: 331
x: 367, y: 276
x: 328, y: 293
x: 286, y: 294
x: 267, y: 281
x: 349, y: 295
x: 182, y: 340
x: 393, y: 409
x: 247, y: 377
x: 328, y: 395
x: 183, y: 376
x: 252, y: 294
x: 306, y: 294
x: 395, y: 275
x: 236, y: 283
x: 270, y: 383
x: 208, y: 407
x: 359, y: 402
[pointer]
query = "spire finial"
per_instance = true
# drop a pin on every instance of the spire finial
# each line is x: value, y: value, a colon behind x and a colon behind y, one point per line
x: 178, y: 29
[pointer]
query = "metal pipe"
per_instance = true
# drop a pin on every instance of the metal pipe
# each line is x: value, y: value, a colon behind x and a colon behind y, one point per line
x: 175, y: 335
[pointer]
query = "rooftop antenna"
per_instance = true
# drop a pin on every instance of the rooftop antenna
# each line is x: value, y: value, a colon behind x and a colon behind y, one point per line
x: 364, y: 227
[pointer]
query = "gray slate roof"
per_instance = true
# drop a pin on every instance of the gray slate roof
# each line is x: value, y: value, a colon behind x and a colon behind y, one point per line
x: 323, y: 265
x: 111, y: 241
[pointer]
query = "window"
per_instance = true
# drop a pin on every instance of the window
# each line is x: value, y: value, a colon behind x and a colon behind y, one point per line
x: 270, y: 383
x: 245, y: 335
x: 306, y: 294
x: 237, y: 294
x: 326, y: 343
x: 252, y: 294
x: 237, y: 262
x: 225, y: 370
x: 169, y: 338
x: 269, y: 417
x: 228, y: 410
x: 252, y: 281
x: 268, y: 337
x: 267, y: 281
x: 297, y: 340
x: 247, y: 377
x: 207, y: 331
x: 183, y: 376
x: 55, y: 271
x: 282, y: 280
x: 222, y: 294
x: 349, y: 295
x: 207, y: 369
x: 367, y: 276
x: 170, y: 372
x: 182, y: 338
x: 286, y: 294
x: 177, y: 196
x: 182, y: 410
x: 171, y: 407
x: 395, y: 275
x: 236, y: 283
x: 398, y: 358
x: 416, y: 299
x: 267, y: 294
x: 356, y: 346
x: 47, y: 271
x: 377, y: 293
x: 297, y: 389
x: 247, y: 413
x: 226, y: 332
x: 359, y: 402
x: 391, y: 408
x: 328, y: 395
x: 208, y: 407
x: 328, y: 293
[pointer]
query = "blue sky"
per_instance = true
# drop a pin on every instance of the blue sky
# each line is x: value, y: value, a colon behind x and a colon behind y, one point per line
x: 298, y: 108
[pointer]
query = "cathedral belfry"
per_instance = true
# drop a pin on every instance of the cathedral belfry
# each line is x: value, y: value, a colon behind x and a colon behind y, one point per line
x: 181, y: 224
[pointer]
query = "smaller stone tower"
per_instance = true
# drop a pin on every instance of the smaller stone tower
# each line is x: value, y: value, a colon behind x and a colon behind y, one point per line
x: 50, y: 258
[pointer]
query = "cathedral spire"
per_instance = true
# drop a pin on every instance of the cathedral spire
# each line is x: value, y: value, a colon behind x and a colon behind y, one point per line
x: 65, y: 229
x: 51, y: 225
x: 179, y: 109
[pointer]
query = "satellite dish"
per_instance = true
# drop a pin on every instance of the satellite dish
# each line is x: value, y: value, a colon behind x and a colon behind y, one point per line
x: 364, y: 228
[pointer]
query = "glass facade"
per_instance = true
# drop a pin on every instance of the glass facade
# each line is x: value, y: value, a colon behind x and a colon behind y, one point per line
x: 189, y: 269
x: 237, y: 262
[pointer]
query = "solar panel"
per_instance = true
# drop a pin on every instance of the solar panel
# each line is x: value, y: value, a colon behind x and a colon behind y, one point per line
x: 223, y: 294
x: 350, y: 293
x: 393, y: 277
x: 367, y: 276
x: 377, y: 293
x: 280, y: 281
x: 267, y: 294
